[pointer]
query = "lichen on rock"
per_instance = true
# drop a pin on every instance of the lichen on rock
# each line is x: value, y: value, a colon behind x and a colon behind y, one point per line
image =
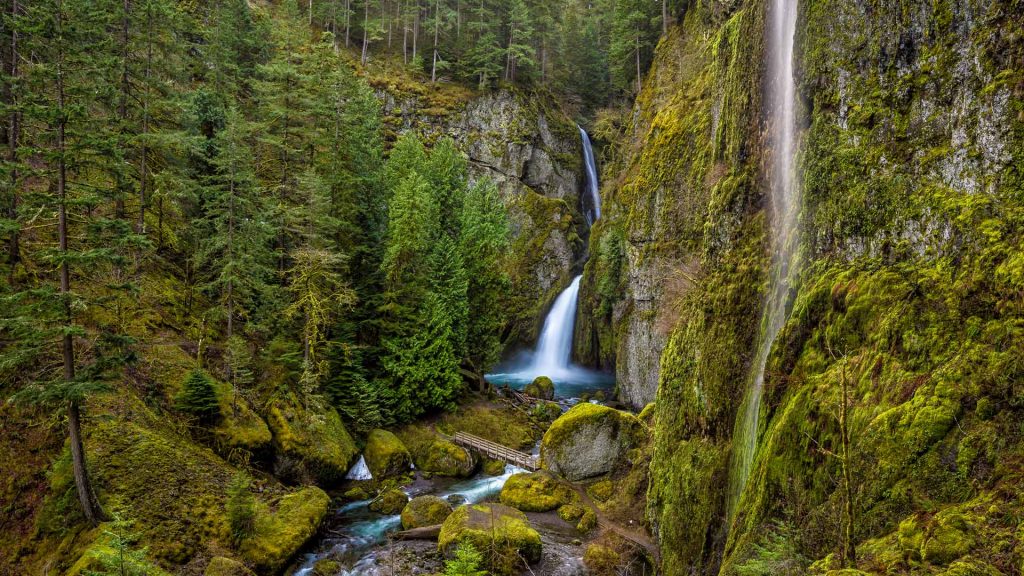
x: 589, y: 440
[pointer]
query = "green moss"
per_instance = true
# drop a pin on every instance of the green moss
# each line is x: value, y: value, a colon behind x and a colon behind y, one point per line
x: 571, y: 513
x: 239, y: 427
x: 601, y: 560
x: 602, y: 490
x: 425, y: 511
x: 386, y: 455
x: 389, y: 502
x: 446, y: 459
x: 494, y: 467
x: 326, y: 568
x: 536, y: 492
x: 588, y: 521
x: 490, y: 527
x: 949, y: 538
x: 221, y: 566
x: 316, y: 439
x: 542, y: 387
x: 283, y: 528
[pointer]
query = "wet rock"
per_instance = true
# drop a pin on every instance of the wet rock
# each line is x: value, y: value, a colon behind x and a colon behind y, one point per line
x: 542, y: 387
x: 425, y: 511
x: 385, y: 455
x: 487, y: 526
x: 589, y: 440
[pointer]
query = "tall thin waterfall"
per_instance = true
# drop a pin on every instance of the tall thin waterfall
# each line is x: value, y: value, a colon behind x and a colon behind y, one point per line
x: 785, y: 200
x: 554, y: 348
x: 593, y: 214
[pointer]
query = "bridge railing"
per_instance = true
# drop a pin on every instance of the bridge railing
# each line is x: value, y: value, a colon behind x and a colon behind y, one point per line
x: 496, y: 451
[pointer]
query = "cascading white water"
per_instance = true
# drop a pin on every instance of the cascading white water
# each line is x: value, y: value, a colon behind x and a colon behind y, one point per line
x: 593, y: 190
x: 554, y: 348
x: 359, y: 471
x: 785, y: 199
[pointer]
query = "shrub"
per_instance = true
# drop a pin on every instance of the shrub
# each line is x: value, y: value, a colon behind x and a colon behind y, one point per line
x: 466, y: 562
x: 241, y: 509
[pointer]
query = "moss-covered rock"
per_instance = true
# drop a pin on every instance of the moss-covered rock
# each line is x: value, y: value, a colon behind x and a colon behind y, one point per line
x: 536, y: 492
x: 425, y: 511
x: 283, y: 528
x: 546, y: 411
x: 971, y: 567
x: 601, y: 491
x: 385, y: 455
x: 97, y: 558
x: 601, y: 560
x: 389, y: 502
x: 571, y: 513
x: 486, y: 526
x: 494, y: 467
x: 541, y: 388
x: 589, y: 440
x: 316, y: 440
x: 327, y: 567
x: 447, y: 459
x: 221, y: 566
x: 950, y: 537
x: 588, y: 521
x: 238, y: 427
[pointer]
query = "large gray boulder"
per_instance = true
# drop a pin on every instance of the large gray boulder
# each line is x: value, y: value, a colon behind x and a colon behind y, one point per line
x: 589, y: 440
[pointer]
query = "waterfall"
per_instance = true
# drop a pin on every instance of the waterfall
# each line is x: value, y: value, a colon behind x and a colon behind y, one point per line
x: 785, y: 203
x: 554, y: 348
x: 360, y: 471
x: 593, y: 212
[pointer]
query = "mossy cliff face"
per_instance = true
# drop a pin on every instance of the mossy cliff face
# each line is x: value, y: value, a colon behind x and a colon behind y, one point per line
x: 531, y: 149
x: 912, y: 175
x: 681, y: 233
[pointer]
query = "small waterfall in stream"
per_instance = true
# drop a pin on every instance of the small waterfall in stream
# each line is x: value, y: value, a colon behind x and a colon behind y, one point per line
x: 359, y: 471
x: 785, y: 201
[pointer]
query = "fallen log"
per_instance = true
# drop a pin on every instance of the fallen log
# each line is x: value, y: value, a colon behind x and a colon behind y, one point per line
x: 424, y: 533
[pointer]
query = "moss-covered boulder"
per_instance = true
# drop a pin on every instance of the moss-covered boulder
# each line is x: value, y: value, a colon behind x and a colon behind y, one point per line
x: 542, y: 388
x: 971, y: 567
x: 425, y: 511
x: 327, y: 568
x: 99, y: 556
x: 488, y: 525
x: 601, y: 560
x: 238, y: 427
x: 588, y: 521
x: 494, y: 467
x: 546, y: 411
x: 221, y: 566
x: 386, y: 455
x: 538, y: 492
x: 282, y: 529
x: 315, y: 440
x: 589, y: 440
x: 446, y: 459
x: 571, y: 513
x: 949, y: 538
x: 389, y: 502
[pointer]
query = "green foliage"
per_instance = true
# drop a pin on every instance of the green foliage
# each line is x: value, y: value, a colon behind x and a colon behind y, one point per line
x: 240, y: 508
x: 198, y: 397
x: 467, y: 562
x: 118, y: 556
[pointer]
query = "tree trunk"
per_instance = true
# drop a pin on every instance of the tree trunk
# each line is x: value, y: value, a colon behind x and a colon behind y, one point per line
x: 639, y: 85
x: 140, y: 227
x: 13, y: 135
x: 415, y: 29
x: 348, y: 21
x: 664, y: 17
x: 437, y: 34
x: 366, y: 22
x: 85, y: 494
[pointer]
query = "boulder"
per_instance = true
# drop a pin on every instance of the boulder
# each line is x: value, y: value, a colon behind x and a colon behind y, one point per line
x: 601, y: 560
x: 446, y: 459
x: 538, y: 492
x: 281, y: 532
x: 221, y: 566
x: 425, y: 511
x: 488, y: 525
x: 542, y: 387
x: 390, y: 502
x: 317, y: 441
x: 326, y: 567
x: 589, y: 440
x: 494, y: 467
x: 385, y: 455
x: 588, y: 521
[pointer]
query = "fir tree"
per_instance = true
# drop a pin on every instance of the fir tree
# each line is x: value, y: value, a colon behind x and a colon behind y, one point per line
x: 198, y: 397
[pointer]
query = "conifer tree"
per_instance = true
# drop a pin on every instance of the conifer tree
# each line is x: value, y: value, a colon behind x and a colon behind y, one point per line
x: 198, y: 397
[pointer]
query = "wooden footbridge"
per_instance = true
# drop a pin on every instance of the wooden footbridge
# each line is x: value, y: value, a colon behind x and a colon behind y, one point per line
x: 496, y: 451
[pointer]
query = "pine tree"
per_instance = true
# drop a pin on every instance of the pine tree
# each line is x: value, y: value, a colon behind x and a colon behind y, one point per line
x: 241, y: 509
x: 467, y: 562
x: 198, y: 397
x: 519, y: 49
